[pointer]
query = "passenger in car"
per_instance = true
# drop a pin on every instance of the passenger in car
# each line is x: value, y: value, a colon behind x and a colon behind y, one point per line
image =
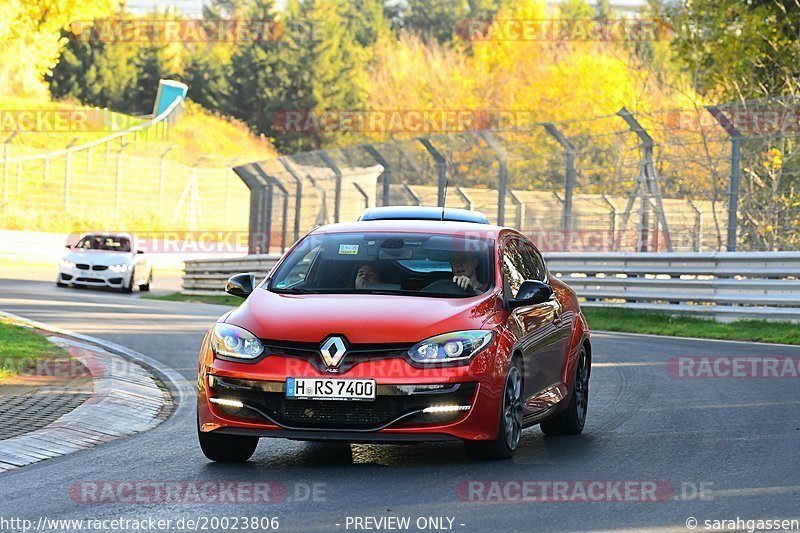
x: 367, y: 275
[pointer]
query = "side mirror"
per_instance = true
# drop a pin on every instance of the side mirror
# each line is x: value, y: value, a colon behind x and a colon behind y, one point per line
x: 68, y: 246
x: 531, y: 292
x: 139, y: 251
x: 240, y: 285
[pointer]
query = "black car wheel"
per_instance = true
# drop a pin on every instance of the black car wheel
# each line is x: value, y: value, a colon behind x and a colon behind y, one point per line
x: 509, y: 431
x: 572, y: 420
x: 226, y: 448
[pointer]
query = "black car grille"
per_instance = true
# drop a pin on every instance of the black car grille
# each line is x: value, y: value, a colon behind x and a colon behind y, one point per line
x: 99, y: 267
x: 265, y: 403
x: 82, y: 266
x: 356, y: 353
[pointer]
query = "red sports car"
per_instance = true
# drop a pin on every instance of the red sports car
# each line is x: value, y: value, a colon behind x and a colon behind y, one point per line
x: 412, y: 324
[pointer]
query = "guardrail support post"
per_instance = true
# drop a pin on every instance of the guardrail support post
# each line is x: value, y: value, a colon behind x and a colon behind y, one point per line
x: 386, y: 175
x: 337, y: 195
x: 569, y: 173
x: 736, y: 172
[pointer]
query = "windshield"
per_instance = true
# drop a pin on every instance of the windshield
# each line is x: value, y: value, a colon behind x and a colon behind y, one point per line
x: 387, y: 263
x: 108, y: 243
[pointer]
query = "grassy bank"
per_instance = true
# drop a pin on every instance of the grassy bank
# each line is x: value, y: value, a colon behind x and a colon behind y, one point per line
x: 21, y: 346
x: 629, y: 321
x: 221, y: 299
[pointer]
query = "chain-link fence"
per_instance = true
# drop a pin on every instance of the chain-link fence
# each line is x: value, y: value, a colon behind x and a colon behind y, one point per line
x: 704, y: 179
x: 131, y: 180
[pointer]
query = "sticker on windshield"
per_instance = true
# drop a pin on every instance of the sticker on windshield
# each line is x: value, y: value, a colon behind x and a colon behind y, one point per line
x: 348, y: 249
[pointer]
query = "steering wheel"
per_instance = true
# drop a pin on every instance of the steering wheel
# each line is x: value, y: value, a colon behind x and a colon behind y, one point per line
x: 445, y: 286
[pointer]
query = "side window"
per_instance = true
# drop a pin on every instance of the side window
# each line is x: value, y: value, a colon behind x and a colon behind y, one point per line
x: 513, y: 268
x: 534, y: 264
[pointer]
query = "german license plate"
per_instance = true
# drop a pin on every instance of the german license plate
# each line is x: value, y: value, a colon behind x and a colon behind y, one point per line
x: 330, y: 389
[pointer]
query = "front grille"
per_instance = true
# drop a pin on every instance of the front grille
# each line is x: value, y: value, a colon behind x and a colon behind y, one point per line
x: 82, y: 266
x: 89, y: 280
x: 99, y: 267
x: 388, y: 405
x: 309, y: 351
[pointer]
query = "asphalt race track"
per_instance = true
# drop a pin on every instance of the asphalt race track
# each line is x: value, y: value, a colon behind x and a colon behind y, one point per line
x: 716, y: 448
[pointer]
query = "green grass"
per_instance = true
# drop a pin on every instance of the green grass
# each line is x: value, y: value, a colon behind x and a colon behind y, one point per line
x: 625, y: 320
x: 21, y: 346
x: 221, y: 299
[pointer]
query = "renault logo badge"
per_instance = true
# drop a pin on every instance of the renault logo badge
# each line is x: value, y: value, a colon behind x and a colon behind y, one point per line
x: 333, y: 351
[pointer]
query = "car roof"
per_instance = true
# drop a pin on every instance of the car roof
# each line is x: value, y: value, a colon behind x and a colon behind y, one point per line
x: 105, y: 234
x: 470, y: 229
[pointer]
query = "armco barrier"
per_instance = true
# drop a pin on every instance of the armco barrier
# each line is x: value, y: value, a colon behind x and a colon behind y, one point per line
x: 722, y: 285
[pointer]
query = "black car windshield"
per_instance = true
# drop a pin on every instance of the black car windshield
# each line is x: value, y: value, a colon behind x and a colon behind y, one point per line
x: 107, y: 243
x: 388, y: 263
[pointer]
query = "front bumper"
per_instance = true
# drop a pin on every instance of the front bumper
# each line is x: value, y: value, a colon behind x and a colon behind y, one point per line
x: 400, y: 413
x: 93, y: 276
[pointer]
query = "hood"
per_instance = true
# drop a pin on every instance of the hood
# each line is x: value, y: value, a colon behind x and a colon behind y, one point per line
x: 361, y: 318
x: 98, y: 257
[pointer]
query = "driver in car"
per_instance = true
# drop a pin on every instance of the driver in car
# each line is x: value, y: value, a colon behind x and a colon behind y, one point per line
x: 464, y: 266
x: 367, y: 275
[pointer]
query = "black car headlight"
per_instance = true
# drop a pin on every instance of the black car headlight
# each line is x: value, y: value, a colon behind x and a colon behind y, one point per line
x: 228, y: 340
x: 455, y: 346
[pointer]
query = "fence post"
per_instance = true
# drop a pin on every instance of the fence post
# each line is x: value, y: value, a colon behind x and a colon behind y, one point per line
x: 257, y: 205
x: 273, y: 181
x: 337, y: 197
x: 161, y: 178
x: 5, y: 166
x: 569, y: 173
x: 736, y: 172
x: 118, y: 193
x: 67, y: 154
x: 502, y: 174
x: 646, y: 180
x: 441, y: 166
x: 386, y: 175
x: 363, y: 194
x: 298, y: 194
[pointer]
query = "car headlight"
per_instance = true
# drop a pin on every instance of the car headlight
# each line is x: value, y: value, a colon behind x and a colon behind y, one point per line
x: 118, y: 268
x: 232, y: 341
x: 456, y: 346
x: 67, y: 264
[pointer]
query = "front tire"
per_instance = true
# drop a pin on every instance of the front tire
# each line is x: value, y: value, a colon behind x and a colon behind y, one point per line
x: 146, y: 286
x: 227, y: 448
x: 573, y: 419
x: 509, y: 431
x: 128, y: 288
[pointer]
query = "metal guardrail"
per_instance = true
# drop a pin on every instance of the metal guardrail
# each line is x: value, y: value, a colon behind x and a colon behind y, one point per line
x: 207, y: 276
x: 722, y: 285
